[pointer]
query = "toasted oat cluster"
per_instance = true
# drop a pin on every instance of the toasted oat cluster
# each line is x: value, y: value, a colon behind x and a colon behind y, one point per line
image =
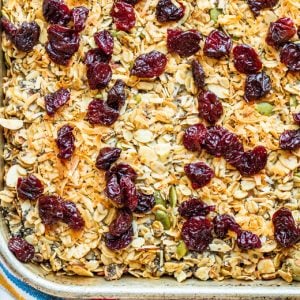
x: 153, y: 137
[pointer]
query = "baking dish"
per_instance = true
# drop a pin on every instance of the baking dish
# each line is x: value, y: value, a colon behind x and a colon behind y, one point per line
x: 131, y: 288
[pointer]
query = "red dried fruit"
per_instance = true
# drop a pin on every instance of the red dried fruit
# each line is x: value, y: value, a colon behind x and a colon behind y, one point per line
x: 56, y: 12
x: 122, y: 170
x: 59, y: 58
x: 122, y: 223
x: 56, y: 100
x: 167, y: 11
x: 71, y: 215
x: 257, y: 86
x: 194, y: 137
x: 118, y: 242
x: 223, y: 223
x: 22, y: 250
x: 290, y: 56
x: 65, y: 142
x: 113, y: 189
x: 104, y: 41
x: 29, y: 188
x: 252, y: 162
x: 257, y: 5
x: 50, y: 209
x: 99, y: 75
x: 198, y: 74
x: 101, y: 114
x: 123, y: 15
x: 247, y: 240
x: 285, y: 230
x: 246, y: 60
x: 129, y: 193
x: 217, y: 44
x: 116, y: 96
x: 199, y: 173
x: 197, y: 233
x: 296, y: 118
x: 79, y: 16
x: 145, y: 203
x: 232, y: 148
x: 149, y: 65
x: 194, y: 207
x: 132, y: 2
x: 280, y: 32
x: 184, y: 43
x: 210, y: 107
x: 96, y: 56
x: 24, y: 37
x: 106, y: 157
x: 290, y: 139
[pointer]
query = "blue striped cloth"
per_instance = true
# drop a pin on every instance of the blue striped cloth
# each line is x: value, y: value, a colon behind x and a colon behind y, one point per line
x: 23, y: 289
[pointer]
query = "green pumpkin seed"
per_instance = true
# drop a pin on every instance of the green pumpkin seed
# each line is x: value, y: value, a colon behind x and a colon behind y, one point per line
x: 293, y: 101
x: 265, y: 108
x: 163, y: 218
x: 138, y: 98
x: 172, y: 196
x: 181, y: 250
x: 214, y: 14
x: 159, y: 200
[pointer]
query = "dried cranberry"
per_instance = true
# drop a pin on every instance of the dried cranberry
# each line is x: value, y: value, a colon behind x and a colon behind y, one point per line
x: 198, y: 74
x: 65, y: 142
x: 223, y: 223
x: 251, y: 162
x: 22, y: 250
x: 71, y: 215
x: 217, y: 44
x: 290, y: 139
x: 210, y: 107
x: 296, y: 118
x: 121, y: 223
x: 280, y: 32
x: 104, y: 41
x: 247, y: 240
x: 100, y: 113
x: 122, y: 170
x: 118, y: 242
x: 194, y: 136
x: 194, y: 207
x: 107, y: 156
x: 246, y: 59
x: 199, y: 173
x: 56, y: 100
x: 96, y: 55
x: 184, y: 43
x: 50, y: 209
x: 59, y: 58
x: 232, y: 148
x: 123, y: 15
x: 290, y: 56
x: 25, y: 37
x: 257, y: 5
x: 197, y: 233
x: 129, y: 193
x: 99, y: 75
x: 257, y: 86
x: 132, y: 2
x: 29, y: 188
x: 56, y: 12
x: 79, y: 16
x: 116, y: 96
x: 149, y: 65
x: 285, y: 230
x: 145, y: 203
x: 167, y: 11
x: 113, y: 189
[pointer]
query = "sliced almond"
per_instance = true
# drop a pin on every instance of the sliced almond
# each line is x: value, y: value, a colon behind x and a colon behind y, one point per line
x: 13, y: 174
x: 12, y: 124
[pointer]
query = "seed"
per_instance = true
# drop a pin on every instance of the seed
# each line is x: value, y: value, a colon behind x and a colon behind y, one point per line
x: 159, y: 200
x: 293, y: 101
x: 214, y: 14
x: 181, y: 250
x: 265, y: 108
x: 172, y: 196
x: 163, y: 218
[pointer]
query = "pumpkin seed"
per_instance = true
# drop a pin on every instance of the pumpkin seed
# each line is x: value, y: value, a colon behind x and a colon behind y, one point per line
x: 172, y: 196
x: 265, y: 108
x: 214, y: 14
x: 159, y: 199
x: 181, y: 250
x: 163, y: 218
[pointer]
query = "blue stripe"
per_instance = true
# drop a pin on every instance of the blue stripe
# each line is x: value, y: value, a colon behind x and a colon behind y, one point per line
x: 25, y: 287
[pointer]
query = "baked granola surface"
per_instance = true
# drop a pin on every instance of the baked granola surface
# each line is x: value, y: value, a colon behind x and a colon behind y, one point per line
x: 149, y: 131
